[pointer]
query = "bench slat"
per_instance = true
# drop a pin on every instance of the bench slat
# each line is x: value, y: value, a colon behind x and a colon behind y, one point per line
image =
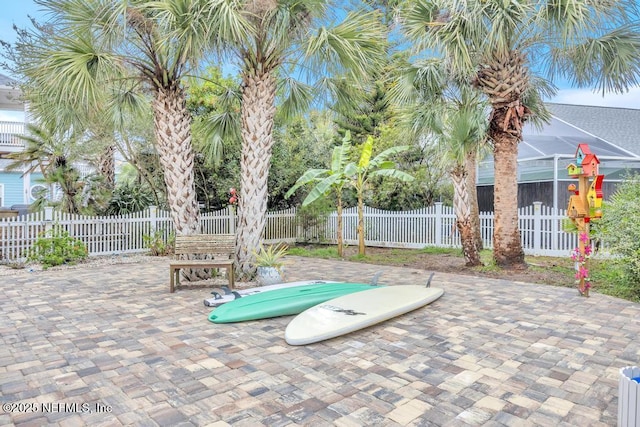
x: 199, y: 262
x: 205, y: 244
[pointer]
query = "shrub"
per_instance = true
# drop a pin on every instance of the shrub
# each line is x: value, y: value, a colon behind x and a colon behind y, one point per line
x: 312, y: 219
x: 129, y: 198
x: 57, y: 247
x: 157, y: 245
x: 619, y: 228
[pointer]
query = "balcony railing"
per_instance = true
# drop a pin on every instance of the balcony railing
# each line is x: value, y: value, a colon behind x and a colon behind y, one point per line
x: 9, y: 132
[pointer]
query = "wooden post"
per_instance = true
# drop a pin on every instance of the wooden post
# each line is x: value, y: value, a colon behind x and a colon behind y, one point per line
x: 583, y: 229
x: 585, y: 202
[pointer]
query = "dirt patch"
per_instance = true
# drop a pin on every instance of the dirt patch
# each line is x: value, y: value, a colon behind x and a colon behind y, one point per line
x: 543, y: 270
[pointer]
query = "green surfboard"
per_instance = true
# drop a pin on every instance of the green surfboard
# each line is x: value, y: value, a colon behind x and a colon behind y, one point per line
x: 282, y: 302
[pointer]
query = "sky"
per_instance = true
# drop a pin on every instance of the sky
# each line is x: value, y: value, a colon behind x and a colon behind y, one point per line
x: 17, y: 12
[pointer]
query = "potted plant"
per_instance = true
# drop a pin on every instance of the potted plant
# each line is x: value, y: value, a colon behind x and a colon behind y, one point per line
x: 270, y: 263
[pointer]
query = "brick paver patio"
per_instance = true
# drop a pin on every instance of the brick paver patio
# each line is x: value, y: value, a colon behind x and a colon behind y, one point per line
x: 110, y: 346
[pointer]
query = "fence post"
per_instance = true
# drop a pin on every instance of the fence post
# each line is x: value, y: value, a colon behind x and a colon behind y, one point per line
x: 537, y: 227
x: 48, y: 218
x: 438, y: 223
x: 298, y: 224
x: 153, y: 219
x: 555, y: 213
x: 231, y: 213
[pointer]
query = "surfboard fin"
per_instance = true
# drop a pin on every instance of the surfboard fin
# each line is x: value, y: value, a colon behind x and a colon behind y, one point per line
x: 376, y: 277
x: 429, y: 280
x: 216, y: 296
x: 222, y: 290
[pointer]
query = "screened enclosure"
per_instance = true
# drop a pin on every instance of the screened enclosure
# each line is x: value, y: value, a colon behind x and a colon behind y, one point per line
x: 543, y: 157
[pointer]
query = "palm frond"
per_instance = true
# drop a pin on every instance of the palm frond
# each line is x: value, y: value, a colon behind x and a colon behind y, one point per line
x: 211, y: 132
x: 74, y: 63
x: 507, y: 19
x: 297, y: 96
x: 610, y: 62
x: 190, y: 28
x: 341, y: 90
x: 357, y: 45
x: 419, y: 20
x: 566, y: 21
x: 419, y: 81
x: 539, y: 90
x: 403, y: 91
x: 228, y: 22
x: 420, y: 119
x: 127, y: 101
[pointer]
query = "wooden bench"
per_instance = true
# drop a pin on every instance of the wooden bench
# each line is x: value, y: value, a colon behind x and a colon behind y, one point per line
x: 220, y: 246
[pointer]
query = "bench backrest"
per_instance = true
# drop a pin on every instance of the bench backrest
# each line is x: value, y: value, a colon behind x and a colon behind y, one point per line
x: 219, y: 244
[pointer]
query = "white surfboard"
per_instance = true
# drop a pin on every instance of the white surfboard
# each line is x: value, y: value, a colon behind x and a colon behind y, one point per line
x: 356, y: 311
x: 224, y: 295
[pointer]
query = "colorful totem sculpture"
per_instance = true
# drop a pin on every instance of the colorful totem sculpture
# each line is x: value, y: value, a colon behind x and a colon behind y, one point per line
x: 585, y: 205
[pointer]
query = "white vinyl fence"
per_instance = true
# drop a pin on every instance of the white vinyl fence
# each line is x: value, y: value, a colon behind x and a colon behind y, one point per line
x: 540, y: 226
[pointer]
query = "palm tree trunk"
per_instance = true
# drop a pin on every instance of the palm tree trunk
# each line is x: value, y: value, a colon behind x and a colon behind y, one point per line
x: 258, y: 111
x: 470, y: 168
x: 505, y: 80
x: 172, y: 125
x: 107, y: 167
x: 469, y: 248
x: 464, y: 223
x: 173, y: 137
x: 68, y: 179
x: 507, y: 248
x: 339, y: 226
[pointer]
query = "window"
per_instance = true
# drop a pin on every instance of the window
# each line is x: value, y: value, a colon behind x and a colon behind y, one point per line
x: 38, y: 190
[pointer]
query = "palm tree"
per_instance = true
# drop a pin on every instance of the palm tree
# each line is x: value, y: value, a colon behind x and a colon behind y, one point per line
x: 463, y: 132
x: 328, y: 181
x: 495, y: 43
x: 367, y: 167
x: 52, y: 153
x: 438, y: 107
x: 285, y: 34
x: 104, y: 53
